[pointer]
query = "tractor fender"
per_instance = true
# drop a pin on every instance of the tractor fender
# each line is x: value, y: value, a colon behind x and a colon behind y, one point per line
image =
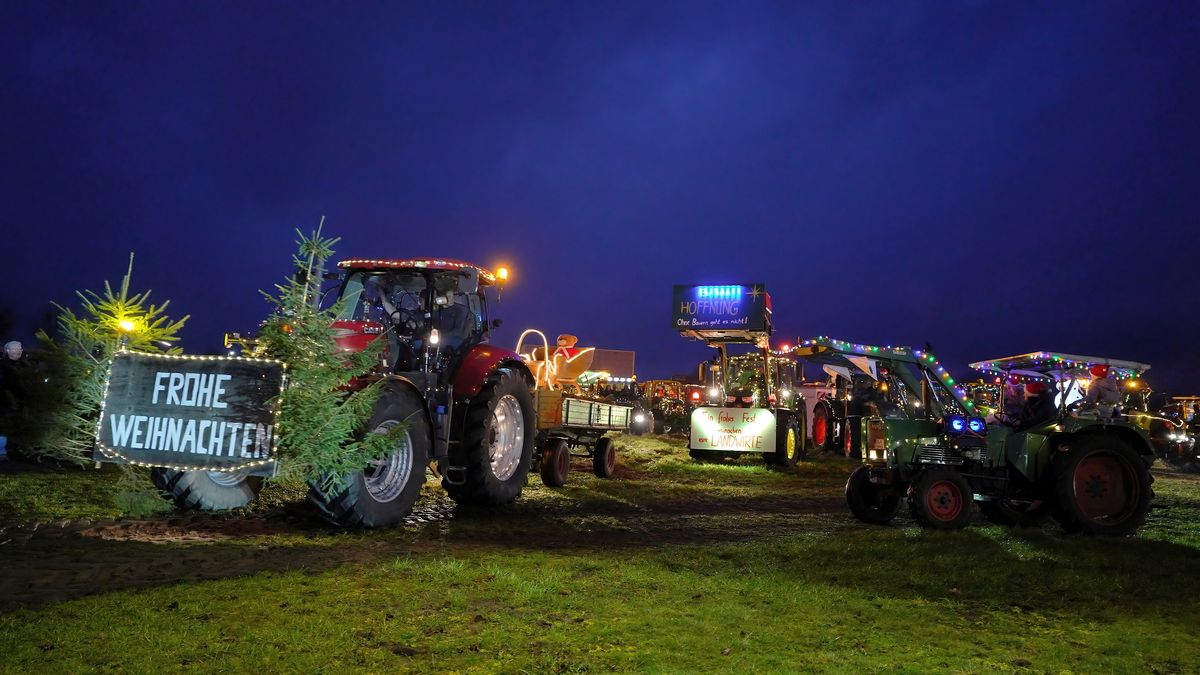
x: 401, y: 383
x: 1137, y: 441
x: 478, y: 363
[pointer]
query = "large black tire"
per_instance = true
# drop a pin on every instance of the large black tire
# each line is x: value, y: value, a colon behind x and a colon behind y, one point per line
x: 1101, y: 486
x: 822, y: 431
x: 869, y: 502
x: 1012, y: 513
x: 604, y: 458
x: 207, y: 490
x: 384, y: 493
x: 940, y: 499
x: 498, y: 441
x: 789, y: 445
x: 556, y: 462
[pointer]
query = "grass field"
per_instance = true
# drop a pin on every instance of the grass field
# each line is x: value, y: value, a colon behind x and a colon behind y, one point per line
x: 673, y: 566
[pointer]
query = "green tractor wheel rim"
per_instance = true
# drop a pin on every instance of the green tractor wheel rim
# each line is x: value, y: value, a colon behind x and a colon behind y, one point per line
x: 944, y: 500
x: 1105, y: 489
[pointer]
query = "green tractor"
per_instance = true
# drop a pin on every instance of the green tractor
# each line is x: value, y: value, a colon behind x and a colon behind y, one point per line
x: 930, y: 446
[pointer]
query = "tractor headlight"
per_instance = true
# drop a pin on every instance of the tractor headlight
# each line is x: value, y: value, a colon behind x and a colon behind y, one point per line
x: 639, y: 418
x: 956, y: 424
x: 976, y: 425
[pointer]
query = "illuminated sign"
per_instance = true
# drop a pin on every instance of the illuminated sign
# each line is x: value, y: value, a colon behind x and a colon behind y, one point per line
x: 212, y: 413
x: 733, y: 307
x: 732, y: 430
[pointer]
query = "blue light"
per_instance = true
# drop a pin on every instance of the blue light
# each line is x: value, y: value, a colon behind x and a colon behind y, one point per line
x: 956, y: 424
x: 719, y: 292
x: 976, y: 425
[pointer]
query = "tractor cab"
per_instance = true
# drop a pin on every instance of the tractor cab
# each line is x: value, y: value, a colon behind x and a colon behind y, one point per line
x: 430, y: 311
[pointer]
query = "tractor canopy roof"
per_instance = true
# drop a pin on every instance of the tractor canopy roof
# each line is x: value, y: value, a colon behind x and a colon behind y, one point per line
x: 846, y: 358
x: 486, y: 278
x: 1058, y: 366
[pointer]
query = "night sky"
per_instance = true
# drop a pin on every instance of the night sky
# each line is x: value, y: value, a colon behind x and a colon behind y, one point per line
x: 991, y: 178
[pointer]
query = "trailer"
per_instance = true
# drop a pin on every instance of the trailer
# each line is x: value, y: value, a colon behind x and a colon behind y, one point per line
x: 569, y: 424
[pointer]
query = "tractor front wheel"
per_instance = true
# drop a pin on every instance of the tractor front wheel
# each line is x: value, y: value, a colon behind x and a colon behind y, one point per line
x: 382, y: 493
x: 940, y: 499
x: 788, y: 446
x: 498, y: 442
x: 207, y: 490
x: 1101, y: 486
x: 869, y: 502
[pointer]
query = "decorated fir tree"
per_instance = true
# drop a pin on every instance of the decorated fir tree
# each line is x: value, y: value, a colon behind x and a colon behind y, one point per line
x: 79, y: 357
x: 320, y: 428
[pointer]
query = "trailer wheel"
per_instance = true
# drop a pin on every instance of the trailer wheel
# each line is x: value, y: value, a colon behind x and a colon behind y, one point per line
x: 498, y: 442
x: 384, y: 492
x: 556, y: 462
x: 1101, y: 486
x: 1014, y: 513
x: 869, y: 502
x: 940, y: 499
x: 822, y: 431
x: 604, y: 458
x: 207, y: 490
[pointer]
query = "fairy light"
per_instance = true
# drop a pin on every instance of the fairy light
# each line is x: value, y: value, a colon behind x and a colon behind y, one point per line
x: 422, y: 263
x: 923, y: 358
x: 114, y: 454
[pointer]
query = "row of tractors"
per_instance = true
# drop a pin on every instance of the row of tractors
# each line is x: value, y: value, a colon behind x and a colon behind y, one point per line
x: 479, y: 415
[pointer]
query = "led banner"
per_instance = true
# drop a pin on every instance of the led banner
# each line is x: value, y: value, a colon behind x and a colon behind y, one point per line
x: 183, y: 412
x: 736, y: 307
x: 733, y: 430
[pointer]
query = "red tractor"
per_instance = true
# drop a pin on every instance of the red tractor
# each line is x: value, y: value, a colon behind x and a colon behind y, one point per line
x: 467, y: 403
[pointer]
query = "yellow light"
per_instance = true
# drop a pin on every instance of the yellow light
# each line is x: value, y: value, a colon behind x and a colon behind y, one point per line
x: 126, y: 325
x: 502, y: 274
x: 1132, y: 384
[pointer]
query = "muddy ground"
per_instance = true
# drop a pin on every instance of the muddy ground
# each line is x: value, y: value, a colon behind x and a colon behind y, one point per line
x: 46, y: 562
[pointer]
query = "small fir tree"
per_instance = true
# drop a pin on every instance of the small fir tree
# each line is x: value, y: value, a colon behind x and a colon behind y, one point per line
x: 80, y: 356
x: 321, y: 423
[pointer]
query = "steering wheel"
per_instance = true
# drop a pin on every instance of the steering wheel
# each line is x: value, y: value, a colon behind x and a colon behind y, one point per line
x: 405, y: 320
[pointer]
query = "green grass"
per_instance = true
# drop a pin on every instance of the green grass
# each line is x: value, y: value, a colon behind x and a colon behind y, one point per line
x: 617, y: 575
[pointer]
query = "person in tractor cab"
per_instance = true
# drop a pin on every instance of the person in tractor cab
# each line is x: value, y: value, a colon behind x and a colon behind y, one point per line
x: 455, y: 320
x: 1104, y: 393
x: 1039, y: 406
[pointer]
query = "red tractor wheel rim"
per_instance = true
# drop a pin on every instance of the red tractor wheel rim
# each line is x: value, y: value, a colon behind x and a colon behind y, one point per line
x: 847, y: 439
x: 944, y: 500
x: 1104, y: 488
x: 563, y: 461
x: 819, y: 430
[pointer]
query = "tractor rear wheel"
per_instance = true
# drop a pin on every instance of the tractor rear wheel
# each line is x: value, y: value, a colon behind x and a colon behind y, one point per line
x: 869, y: 502
x: 822, y: 431
x: 1014, y: 513
x: 604, y: 458
x: 940, y: 499
x: 498, y: 442
x: 207, y: 490
x: 1101, y: 486
x: 384, y: 492
x: 556, y: 462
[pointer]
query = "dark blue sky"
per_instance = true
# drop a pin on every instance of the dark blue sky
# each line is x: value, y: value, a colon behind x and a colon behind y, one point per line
x: 993, y: 178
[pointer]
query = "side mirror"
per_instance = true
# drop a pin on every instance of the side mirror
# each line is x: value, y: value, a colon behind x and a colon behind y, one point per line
x: 496, y: 323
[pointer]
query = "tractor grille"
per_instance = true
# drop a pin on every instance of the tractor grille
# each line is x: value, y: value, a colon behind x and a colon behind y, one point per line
x: 933, y: 455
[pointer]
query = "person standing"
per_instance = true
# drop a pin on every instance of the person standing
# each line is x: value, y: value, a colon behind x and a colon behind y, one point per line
x: 12, y: 390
